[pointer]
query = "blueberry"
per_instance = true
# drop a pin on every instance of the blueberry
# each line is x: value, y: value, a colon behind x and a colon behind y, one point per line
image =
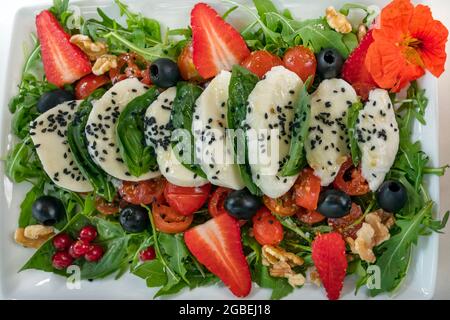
x: 164, y: 73
x: 329, y: 63
x: 241, y: 204
x: 391, y: 196
x: 48, y: 210
x: 51, y: 99
x: 334, y: 203
x: 134, y: 218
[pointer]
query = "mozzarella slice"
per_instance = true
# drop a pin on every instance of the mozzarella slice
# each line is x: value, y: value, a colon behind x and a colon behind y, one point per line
x: 101, y: 129
x: 214, y: 149
x: 327, y: 142
x: 158, y: 132
x: 49, y: 135
x: 378, y: 137
x: 269, y: 119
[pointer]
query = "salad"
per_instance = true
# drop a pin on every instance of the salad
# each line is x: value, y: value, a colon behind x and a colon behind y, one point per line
x: 279, y: 154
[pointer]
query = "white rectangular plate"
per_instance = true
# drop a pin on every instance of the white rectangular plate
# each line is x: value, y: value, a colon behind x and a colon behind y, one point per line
x: 32, y: 284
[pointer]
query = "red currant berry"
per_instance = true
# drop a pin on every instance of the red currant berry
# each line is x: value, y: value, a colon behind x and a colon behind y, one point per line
x: 62, y: 241
x: 61, y: 260
x: 147, y: 254
x: 88, y: 233
x: 78, y: 249
x: 94, y: 254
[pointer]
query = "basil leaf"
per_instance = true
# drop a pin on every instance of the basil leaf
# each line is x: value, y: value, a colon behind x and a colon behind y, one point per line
x: 242, y: 83
x: 181, y: 118
x: 78, y: 145
x: 138, y: 157
x: 352, y: 117
x: 297, y: 156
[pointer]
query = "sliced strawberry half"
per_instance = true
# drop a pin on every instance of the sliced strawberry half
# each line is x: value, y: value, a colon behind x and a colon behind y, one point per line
x: 354, y: 70
x: 217, y: 245
x: 328, y: 255
x: 216, y: 44
x: 64, y: 63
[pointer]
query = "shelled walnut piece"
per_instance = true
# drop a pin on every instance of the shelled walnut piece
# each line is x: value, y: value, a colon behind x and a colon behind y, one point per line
x: 373, y: 232
x: 337, y: 21
x: 104, y: 63
x: 33, y: 236
x: 281, y: 262
x: 93, y: 50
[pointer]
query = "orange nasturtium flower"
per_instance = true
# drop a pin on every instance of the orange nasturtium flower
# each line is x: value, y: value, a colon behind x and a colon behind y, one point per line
x: 407, y: 42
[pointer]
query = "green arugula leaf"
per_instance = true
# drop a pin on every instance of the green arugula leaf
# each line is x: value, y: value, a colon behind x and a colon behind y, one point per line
x: 242, y: 83
x: 25, y: 217
x: 176, y: 251
x: 280, y: 286
x: 263, y: 7
x: 353, y: 113
x: 22, y: 162
x: 138, y: 157
x: 297, y: 156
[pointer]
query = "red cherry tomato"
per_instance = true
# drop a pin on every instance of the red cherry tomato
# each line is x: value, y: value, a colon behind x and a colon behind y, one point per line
x: 167, y: 220
x: 186, y: 200
x: 300, y: 60
x: 259, y: 62
x: 283, y: 206
x: 310, y: 216
x: 266, y: 228
x: 307, y: 189
x: 88, y: 84
x: 347, y: 225
x: 216, y: 203
x: 143, y: 192
x: 350, y: 180
x: 186, y: 64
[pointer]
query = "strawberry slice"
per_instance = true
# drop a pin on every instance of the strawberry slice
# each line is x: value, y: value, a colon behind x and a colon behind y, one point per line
x: 354, y: 70
x: 64, y: 63
x: 217, y: 245
x: 216, y: 44
x: 328, y: 255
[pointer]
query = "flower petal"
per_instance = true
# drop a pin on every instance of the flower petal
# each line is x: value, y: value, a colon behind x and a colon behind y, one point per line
x: 394, y: 20
x: 433, y: 37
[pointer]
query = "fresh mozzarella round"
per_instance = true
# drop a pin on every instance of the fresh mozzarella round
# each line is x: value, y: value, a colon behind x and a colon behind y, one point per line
x: 327, y: 143
x: 378, y: 137
x: 49, y: 135
x: 158, y: 132
x: 214, y: 149
x: 101, y: 129
x: 269, y: 119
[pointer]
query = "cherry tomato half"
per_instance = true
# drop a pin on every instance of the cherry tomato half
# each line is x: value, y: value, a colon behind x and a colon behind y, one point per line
x: 129, y: 65
x: 266, y: 228
x: 283, y: 206
x: 186, y: 64
x: 88, y: 84
x: 300, y: 60
x: 186, y: 200
x: 216, y: 203
x: 259, y: 62
x: 167, y: 220
x: 143, y: 192
x: 307, y: 189
x: 105, y: 207
x: 346, y: 225
x: 350, y: 180
x: 310, y: 216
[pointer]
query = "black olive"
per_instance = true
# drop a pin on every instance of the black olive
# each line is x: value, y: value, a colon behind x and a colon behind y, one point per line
x: 334, y: 203
x: 134, y: 218
x: 48, y: 210
x: 329, y: 63
x: 241, y: 204
x: 164, y: 73
x: 51, y: 99
x: 391, y: 196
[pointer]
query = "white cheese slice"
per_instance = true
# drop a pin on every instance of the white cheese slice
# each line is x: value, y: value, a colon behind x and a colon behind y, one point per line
x: 269, y: 119
x: 158, y: 134
x: 49, y: 135
x: 213, y: 148
x: 327, y: 142
x: 378, y: 137
x: 101, y: 129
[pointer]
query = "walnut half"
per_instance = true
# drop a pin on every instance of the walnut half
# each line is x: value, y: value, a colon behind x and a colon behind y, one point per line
x: 281, y: 262
x: 337, y: 21
x: 104, y: 63
x: 93, y: 50
x: 41, y: 237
